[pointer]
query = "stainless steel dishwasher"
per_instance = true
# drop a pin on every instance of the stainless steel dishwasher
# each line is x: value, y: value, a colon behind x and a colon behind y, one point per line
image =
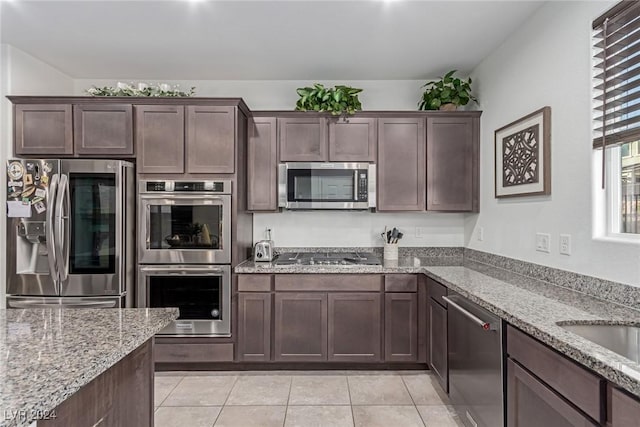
x: 475, y: 363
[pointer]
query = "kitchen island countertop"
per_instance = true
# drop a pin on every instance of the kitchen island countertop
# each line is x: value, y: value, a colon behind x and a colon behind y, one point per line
x: 49, y: 354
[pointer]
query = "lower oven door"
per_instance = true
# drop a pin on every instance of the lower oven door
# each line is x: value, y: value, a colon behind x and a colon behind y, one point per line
x: 201, y: 292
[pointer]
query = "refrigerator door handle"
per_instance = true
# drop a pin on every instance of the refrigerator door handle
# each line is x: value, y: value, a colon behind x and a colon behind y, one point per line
x: 56, y: 304
x: 50, y: 232
x: 62, y: 237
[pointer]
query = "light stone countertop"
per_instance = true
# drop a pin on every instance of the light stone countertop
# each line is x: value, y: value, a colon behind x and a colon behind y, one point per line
x: 532, y: 305
x: 49, y: 354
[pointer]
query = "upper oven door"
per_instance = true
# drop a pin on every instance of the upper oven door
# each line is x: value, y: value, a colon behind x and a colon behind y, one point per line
x: 324, y: 185
x: 184, y: 229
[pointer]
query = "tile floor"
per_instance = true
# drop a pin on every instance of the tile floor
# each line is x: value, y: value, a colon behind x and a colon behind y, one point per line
x: 293, y: 398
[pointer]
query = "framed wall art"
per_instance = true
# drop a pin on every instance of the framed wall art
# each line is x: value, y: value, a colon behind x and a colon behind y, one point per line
x: 523, y: 156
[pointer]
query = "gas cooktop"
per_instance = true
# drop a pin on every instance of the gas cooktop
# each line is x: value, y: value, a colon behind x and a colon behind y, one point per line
x: 327, y: 258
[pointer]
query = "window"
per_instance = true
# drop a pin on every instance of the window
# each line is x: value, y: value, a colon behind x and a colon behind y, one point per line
x: 616, y: 57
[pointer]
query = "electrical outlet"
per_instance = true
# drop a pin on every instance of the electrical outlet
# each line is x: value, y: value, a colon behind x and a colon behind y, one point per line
x: 565, y: 244
x: 421, y: 232
x: 543, y: 242
x: 480, y: 234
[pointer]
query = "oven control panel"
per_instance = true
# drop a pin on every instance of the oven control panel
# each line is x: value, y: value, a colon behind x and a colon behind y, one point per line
x: 220, y: 187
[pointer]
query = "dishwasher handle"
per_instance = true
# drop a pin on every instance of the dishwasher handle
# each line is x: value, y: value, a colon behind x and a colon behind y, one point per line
x: 486, y: 326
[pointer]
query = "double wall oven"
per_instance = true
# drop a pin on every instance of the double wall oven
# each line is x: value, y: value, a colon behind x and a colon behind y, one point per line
x: 185, y: 254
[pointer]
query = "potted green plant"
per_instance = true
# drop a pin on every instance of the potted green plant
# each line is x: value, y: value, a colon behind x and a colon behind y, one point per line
x: 337, y: 100
x: 447, y: 93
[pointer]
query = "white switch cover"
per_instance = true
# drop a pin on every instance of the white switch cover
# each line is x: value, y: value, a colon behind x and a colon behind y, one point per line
x: 565, y: 244
x: 480, y: 234
x: 543, y: 242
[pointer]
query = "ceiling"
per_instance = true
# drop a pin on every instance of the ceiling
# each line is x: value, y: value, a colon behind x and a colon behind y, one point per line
x: 261, y: 40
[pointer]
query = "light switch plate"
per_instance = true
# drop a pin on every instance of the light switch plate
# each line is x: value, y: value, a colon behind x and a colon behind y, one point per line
x: 543, y: 242
x: 480, y: 234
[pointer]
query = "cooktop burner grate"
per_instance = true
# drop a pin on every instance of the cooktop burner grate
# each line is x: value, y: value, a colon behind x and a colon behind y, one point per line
x: 327, y: 258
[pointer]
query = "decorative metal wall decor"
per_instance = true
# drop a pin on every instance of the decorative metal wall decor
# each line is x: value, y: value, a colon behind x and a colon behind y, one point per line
x: 523, y: 156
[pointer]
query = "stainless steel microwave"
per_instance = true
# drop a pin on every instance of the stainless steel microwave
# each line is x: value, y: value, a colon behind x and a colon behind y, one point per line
x: 327, y: 185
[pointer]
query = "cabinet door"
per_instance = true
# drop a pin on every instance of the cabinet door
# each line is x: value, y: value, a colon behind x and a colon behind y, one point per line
x: 401, y: 164
x: 160, y: 138
x: 352, y: 139
x: 43, y: 129
x: 300, y: 327
x: 262, y: 165
x: 302, y: 139
x: 211, y: 139
x: 452, y: 157
x: 624, y: 409
x: 254, y: 326
x: 438, y: 343
x: 103, y: 130
x: 530, y: 403
x: 401, y: 327
x: 354, y: 327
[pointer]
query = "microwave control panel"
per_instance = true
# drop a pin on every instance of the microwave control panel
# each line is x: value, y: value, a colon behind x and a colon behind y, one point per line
x: 363, y: 185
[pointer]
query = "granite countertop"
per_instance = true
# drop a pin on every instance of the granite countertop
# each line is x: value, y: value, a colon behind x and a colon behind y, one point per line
x: 404, y: 264
x: 49, y: 354
x: 532, y: 305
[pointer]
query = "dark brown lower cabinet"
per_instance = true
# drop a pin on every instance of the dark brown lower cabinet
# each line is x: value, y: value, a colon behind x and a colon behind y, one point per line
x: 254, y: 326
x: 624, y: 410
x: 300, y: 327
x: 121, y: 396
x: 354, y: 327
x: 438, y: 357
x: 401, y: 326
x: 531, y: 403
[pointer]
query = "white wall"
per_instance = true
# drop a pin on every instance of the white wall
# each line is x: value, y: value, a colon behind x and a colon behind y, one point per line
x: 328, y: 228
x: 358, y: 229
x: 21, y: 74
x: 281, y: 94
x: 547, y: 62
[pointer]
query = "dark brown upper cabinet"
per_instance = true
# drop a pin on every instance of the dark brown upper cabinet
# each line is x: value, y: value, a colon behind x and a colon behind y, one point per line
x: 354, y: 327
x: 452, y: 163
x: 160, y: 138
x: 103, y: 129
x: 352, y: 139
x: 210, y: 143
x: 302, y: 139
x: 401, y: 164
x: 43, y: 129
x: 262, y: 165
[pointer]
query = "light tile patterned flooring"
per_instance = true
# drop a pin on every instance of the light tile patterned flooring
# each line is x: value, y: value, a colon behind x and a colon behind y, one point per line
x: 295, y: 398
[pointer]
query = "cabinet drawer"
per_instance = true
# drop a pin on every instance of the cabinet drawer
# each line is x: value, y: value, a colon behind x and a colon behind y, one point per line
x: 167, y: 353
x: 328, y: 282
x: 254, y: 283
x: 436, y: 291
x: 578, y: 385
x: 400, y: 283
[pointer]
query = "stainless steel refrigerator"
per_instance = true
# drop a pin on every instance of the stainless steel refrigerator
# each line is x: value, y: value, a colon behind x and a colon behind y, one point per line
x: 70, y: 233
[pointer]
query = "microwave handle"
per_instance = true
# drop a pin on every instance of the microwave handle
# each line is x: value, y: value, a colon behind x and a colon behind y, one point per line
x: 355, y: 185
